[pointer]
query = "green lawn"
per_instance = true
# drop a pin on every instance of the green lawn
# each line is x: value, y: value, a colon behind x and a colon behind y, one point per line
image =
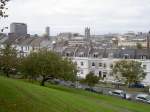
x: 19, y: 96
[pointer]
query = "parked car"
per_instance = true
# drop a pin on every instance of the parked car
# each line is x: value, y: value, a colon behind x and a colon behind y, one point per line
x: 143, y: 98
x: 116, y: 93
x: 136, y: 85
x: 120, y: 93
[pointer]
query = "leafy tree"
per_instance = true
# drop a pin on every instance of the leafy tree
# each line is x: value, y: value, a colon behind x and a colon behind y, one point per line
x: 132, y: 71
x: 48, y: 65
x: 139, y: 46
x: 3, y: 9
x: 91, y: 79
x: 8, y: 59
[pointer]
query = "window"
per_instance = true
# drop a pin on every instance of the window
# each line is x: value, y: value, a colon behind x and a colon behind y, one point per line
x: 100, y: 74
x: 100, y: 64
x: 93, y: 64
x: 81, y: 71
x: 95, y: 55
x: 144, y: 66
x: 75, y: 63
x: 104, y: 74
x: 111, y: 74
x: 111, y: 55
x: 26, y: 48
x: 126, y: 56
x: 21, y: 48
x: 143, y: 57
x: 104, y: 65
x: 82, y: 64
x: 67, y: 54
x: 142, y: 98
x: 81, y: 54
x: 111, y: 66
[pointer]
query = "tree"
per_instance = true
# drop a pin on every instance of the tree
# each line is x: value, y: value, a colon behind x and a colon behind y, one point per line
x: 8, y: 59
x: 139, y: 46
x: 48, y: 65
x: 91, y: 79
x: 132, y: 71
x: 3, y: 9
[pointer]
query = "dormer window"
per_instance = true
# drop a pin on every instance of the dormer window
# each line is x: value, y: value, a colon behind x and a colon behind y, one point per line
x: 126, y: 56
x: 81, y: 54
x: 110, y: 55
x: 67, y: 54
x: 95, y: 55
x: 143, y: 57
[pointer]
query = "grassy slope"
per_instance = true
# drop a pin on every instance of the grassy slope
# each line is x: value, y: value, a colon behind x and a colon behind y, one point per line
x: 18, y: 96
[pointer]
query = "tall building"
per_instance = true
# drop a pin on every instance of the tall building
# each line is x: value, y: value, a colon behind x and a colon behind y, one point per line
x: 87, y: 32
x: 47, y: 31
x: 18, y: 28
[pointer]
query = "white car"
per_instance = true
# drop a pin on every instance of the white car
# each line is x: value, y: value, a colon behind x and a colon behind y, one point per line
x: 120, y: 93
x: 143, y: 98
x: 116, y: 93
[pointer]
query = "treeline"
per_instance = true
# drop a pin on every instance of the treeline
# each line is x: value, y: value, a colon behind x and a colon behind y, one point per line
x: 44, y: 65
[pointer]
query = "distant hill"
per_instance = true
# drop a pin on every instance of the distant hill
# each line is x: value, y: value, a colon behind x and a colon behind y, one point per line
x: 19, y: 96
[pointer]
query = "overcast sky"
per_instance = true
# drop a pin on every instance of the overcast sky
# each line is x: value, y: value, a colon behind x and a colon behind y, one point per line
x: 103, y: 16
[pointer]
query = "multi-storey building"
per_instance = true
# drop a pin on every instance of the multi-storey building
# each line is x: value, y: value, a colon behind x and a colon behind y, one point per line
x: 18, y: 28
x: 101, y: 61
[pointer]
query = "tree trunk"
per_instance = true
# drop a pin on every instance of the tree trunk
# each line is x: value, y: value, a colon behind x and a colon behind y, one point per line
x: 45, y: 78
x: 7, y: 74
x: 43, y: 81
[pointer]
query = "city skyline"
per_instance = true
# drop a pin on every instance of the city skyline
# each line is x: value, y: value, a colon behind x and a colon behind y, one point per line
x: 102, y: 16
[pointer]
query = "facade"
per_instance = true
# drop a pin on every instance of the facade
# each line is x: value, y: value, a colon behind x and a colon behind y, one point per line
x: 77, y: 41
x: 18, y: 28
x: 100, y: 61
x: 132, y: 43
x: 25, y: 45
x: 103, y: 68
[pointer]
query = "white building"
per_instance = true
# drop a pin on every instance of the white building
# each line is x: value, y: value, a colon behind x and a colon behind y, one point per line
x: 100, y: 61
x: 103, y: 67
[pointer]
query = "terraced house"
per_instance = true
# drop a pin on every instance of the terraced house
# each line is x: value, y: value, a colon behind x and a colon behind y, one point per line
x: 100, y: 61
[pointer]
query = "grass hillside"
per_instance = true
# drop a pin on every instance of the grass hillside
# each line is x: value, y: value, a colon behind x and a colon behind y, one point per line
x: 19, y: 96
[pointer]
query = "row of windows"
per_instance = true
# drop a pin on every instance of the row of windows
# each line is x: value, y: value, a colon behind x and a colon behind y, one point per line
x: 26, y: 48
x: 100, y: 64
x: 101, y: 74
x: 105, y: 65
x: 126, y: 56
